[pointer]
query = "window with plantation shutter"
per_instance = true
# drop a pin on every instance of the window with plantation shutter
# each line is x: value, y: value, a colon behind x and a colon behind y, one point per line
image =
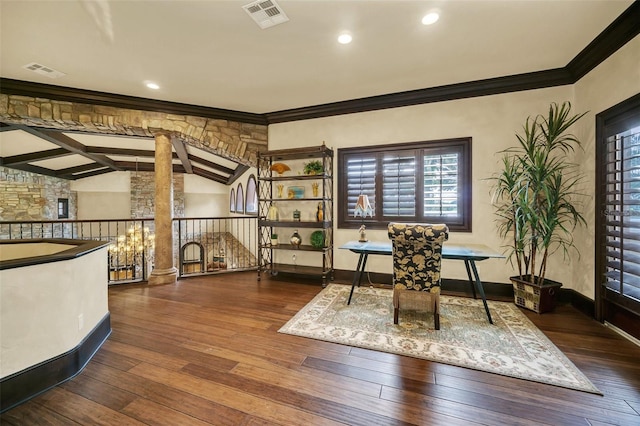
x: 428, y: 182
x: 622, y: 212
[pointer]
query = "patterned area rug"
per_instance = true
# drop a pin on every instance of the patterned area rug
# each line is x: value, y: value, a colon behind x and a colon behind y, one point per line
x: 513, y: 346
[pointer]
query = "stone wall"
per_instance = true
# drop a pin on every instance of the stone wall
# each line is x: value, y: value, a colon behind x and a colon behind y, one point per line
x: 233, y: 140
x: 143, y: 195
x: 28, y: 196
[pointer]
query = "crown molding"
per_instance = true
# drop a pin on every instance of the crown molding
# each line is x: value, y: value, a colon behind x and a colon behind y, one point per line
x: 617, y: 34
x: 70, y: 94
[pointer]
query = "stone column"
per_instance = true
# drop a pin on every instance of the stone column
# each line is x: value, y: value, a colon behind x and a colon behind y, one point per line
x: 163, y: 271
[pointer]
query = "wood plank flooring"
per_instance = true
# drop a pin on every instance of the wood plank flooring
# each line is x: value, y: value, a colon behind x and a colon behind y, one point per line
x: 206, y: 351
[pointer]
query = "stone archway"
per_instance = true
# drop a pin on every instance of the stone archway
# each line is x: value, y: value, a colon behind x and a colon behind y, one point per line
x: 235, y: 141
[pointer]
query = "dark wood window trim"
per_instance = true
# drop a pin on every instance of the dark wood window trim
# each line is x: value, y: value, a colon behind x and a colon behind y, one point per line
x: 374, y: 185
x: 63, y: 208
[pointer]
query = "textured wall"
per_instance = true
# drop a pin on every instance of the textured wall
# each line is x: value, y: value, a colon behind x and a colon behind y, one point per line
x: 29, y: 196
x: 233, y: 140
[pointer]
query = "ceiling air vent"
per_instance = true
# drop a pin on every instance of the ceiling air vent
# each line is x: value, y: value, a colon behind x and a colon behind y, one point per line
x: 266, y: 13
x: 43, y: 70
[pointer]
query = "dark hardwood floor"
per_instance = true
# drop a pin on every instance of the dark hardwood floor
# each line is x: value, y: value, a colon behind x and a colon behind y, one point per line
x: 207, y: 351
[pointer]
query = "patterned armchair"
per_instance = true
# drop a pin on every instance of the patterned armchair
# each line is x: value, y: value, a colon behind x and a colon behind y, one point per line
x: 417, y: 258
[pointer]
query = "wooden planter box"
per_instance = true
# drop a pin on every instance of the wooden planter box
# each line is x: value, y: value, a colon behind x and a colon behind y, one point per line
x: 535, y: 297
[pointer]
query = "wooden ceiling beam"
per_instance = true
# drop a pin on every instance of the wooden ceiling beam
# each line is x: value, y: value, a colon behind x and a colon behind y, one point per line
x: 210, y: 175
x: 211, y: 165
x: 181, y: 151
x: 33, y: 156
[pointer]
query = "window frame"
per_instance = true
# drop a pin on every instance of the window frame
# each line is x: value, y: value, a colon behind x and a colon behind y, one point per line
x: 63, y: 208
x: 239, y: 199
x: 232, y: 201
x: 252, y: 191
x: 462, y: 145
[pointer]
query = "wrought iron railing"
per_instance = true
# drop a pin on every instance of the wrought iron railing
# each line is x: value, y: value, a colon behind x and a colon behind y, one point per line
x: 201, y: 245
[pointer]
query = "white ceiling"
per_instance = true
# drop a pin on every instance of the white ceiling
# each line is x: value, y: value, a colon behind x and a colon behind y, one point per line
x: 211, y: 53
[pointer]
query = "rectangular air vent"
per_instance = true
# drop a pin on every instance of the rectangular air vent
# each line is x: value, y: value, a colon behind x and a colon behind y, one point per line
x: 43, y: 70
x: 266, y: 13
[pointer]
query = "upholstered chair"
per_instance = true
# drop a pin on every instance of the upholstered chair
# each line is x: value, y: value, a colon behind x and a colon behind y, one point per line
x: 417, y: 259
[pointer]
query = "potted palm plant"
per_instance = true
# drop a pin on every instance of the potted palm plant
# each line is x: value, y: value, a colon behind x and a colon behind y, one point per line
x: 536, y: 198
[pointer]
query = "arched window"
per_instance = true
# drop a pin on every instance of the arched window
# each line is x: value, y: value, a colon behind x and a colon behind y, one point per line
x: 239, y: 199
x: 232, y: 201
x: 251, y: 204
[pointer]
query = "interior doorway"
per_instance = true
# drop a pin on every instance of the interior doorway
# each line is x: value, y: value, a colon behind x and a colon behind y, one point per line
x: 618, y: 216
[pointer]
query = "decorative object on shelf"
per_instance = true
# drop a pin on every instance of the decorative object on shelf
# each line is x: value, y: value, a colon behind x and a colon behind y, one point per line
x: 317, y: 239
x: 363, y: 234
x: 363, y: 207
x: 319, y: 213
x: 280, y: 168
x: 272, y: 214
x: 313, y: 167
x: 295, y: 192
x: 274, y: 239
x: 295, y: 239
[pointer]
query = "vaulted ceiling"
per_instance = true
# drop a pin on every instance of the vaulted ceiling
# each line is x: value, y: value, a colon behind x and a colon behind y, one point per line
x: 210, y: 57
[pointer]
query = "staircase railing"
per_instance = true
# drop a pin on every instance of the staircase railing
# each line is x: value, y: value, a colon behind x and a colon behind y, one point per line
x: 210, y: 245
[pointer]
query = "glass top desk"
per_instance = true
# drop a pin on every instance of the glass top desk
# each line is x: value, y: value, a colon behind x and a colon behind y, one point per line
x: 469, y: 253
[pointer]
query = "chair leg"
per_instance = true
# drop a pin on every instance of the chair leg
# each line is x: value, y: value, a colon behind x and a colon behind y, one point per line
x: 436, y: 320
x: 395, y: 315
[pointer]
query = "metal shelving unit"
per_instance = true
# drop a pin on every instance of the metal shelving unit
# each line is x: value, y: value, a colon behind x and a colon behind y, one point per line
x: 271, y: 256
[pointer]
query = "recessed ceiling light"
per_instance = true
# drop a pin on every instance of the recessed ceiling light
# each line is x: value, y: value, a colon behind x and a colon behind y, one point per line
x: 344, y: 38
x: 152, y: 85
x: 430, y: 18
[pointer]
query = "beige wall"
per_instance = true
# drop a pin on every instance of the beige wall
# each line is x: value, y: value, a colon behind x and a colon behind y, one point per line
x: 109, y: 197
x: 492, y: 122
x: 610, y: 83
x: 41, y: 318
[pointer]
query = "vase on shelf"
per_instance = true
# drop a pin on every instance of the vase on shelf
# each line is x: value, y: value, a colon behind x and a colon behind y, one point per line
x: 295, y: 239
x: 319, y: 213
x: 272, y: 214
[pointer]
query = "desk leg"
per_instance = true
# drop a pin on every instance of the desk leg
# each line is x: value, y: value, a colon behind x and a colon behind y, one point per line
x: 473, y: 287
x: 480, y: 289
x: 357, y: 278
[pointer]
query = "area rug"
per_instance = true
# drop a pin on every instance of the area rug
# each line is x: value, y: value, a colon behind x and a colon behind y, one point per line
x: 513, y: 346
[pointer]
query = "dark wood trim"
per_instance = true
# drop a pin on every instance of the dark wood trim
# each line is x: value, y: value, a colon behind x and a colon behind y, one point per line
x: 493, y: 290
x: 33, y: 156
x: 181, y: 152
x: 26, y: 384
x: 608, y: 122
x: 616, y: 35
x: 80, y: 248
x: 492, y: 86
x: 82, y: 96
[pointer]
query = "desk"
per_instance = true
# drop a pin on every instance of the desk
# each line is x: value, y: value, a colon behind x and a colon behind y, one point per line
x: 469, y: 253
